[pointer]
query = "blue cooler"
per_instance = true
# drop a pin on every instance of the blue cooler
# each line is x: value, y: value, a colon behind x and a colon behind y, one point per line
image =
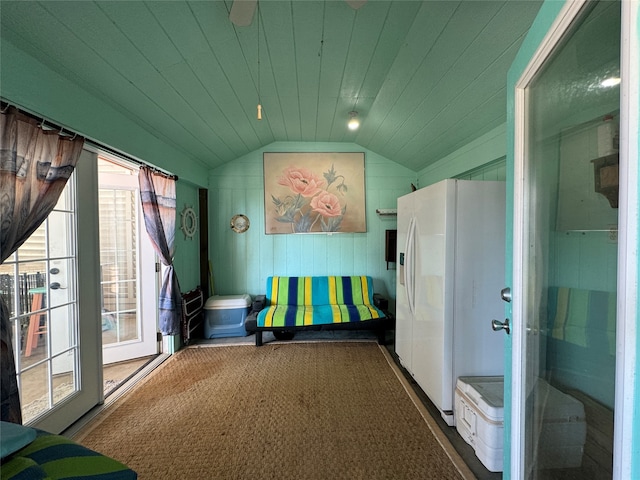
x: 224, y: 315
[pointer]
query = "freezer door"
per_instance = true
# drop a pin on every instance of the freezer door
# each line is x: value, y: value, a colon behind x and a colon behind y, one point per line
x: 404, y: 317
x: 431, y: 341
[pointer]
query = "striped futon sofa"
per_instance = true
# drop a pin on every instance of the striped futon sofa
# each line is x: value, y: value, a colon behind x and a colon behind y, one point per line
x: 317, y: 303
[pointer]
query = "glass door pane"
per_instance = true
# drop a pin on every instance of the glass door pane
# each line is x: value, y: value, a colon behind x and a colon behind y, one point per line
x: 39, y: 286
x: 118, y: 258
x: 570, y: 264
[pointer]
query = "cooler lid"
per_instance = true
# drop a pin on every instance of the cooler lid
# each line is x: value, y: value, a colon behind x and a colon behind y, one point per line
x: 486, y: 392
x: 228, y: 302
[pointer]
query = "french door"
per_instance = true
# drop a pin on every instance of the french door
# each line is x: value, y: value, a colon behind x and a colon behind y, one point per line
x: 55, y: 335
x: 127, y: 266
x: 81, y: 294
x: 568, y: 262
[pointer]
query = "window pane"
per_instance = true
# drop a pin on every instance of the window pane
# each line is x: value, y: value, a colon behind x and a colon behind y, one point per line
x: 35, y: 247
x: 62, y: 336
x: 61, y: 233
x: 34, y: 388
x: 39, y: 395
x: 34, y: 338
x: 39, y: 281
x: 61, y: 288
x: 119, y: 327
x: 31, y: 286
x: 7, y: 288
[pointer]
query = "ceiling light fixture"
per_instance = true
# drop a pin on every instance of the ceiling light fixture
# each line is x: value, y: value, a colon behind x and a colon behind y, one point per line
x: 354, y: 123
x: 610, y: 82
x: 259, y: 103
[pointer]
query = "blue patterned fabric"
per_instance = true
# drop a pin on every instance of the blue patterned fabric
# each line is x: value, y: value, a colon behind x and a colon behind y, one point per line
x: 158, y: 196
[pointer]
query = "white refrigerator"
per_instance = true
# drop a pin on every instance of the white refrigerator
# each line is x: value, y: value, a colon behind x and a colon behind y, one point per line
x: 451, y: 249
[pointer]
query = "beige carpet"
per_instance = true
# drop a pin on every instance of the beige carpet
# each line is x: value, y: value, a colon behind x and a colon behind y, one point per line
x: 282, y: 411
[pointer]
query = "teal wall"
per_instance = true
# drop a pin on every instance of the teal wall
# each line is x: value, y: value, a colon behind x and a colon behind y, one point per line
x: 242, y: 262
x: 187, y: 250
x: 494, y: 171
x: 484, y: 156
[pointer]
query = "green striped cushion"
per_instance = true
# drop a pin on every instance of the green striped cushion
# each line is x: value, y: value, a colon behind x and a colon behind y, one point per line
x: 583, y: 317
x: 56, y: 457
x: 329, y: 290
x: 303, y: 301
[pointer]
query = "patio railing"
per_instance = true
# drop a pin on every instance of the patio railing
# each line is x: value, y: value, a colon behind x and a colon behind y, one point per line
x: 26, y: 282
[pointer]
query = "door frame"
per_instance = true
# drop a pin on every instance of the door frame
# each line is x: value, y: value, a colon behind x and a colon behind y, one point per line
x: 553, y: 20
x: 626, y: 461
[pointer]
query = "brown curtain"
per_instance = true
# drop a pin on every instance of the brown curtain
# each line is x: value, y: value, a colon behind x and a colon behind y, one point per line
x: 158, y: 196
x: 34, y: 168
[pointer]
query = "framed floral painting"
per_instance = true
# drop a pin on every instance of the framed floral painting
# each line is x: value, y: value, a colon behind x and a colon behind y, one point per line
x: 314, y: 193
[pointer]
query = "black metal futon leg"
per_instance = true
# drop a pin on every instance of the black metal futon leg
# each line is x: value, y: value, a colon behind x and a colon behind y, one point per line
x: 258, y: 338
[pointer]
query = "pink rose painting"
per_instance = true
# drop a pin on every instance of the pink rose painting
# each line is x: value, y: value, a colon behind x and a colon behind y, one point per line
x: 314, y: 192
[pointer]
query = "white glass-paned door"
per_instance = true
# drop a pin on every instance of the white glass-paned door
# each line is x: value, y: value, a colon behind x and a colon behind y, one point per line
x: 43, y: 275
x: 567, y: 272
x: 53, y: 335
x: 127, y: 267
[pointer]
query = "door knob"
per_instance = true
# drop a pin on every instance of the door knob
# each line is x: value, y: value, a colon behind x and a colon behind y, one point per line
x: 497, y: 325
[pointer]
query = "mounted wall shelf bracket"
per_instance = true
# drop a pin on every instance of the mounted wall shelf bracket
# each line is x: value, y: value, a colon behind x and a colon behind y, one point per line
x: 387, y: 212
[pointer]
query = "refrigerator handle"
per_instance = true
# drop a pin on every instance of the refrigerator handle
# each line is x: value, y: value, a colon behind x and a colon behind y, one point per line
x: 409, y: 266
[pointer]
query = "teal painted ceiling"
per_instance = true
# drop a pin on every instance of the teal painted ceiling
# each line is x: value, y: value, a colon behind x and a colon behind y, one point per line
x: 426, y: 77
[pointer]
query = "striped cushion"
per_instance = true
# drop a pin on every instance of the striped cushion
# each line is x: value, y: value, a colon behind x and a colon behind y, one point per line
x: 303, y: 301
x: 583, y: 317
x: 319, y: 290
x: 56, y: 457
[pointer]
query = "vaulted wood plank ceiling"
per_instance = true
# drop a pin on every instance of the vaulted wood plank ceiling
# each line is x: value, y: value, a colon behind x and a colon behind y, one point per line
x: 426, y: 77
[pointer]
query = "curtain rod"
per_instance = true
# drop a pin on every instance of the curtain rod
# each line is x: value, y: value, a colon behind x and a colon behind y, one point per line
x: 4, y: 106
x: 43, y: 123
x: 128, y: 158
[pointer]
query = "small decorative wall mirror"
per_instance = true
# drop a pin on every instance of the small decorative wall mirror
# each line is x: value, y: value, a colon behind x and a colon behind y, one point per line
x: 239, y: 223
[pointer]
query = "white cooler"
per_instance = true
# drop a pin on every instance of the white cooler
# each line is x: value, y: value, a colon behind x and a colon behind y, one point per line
x: 479, y: 411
